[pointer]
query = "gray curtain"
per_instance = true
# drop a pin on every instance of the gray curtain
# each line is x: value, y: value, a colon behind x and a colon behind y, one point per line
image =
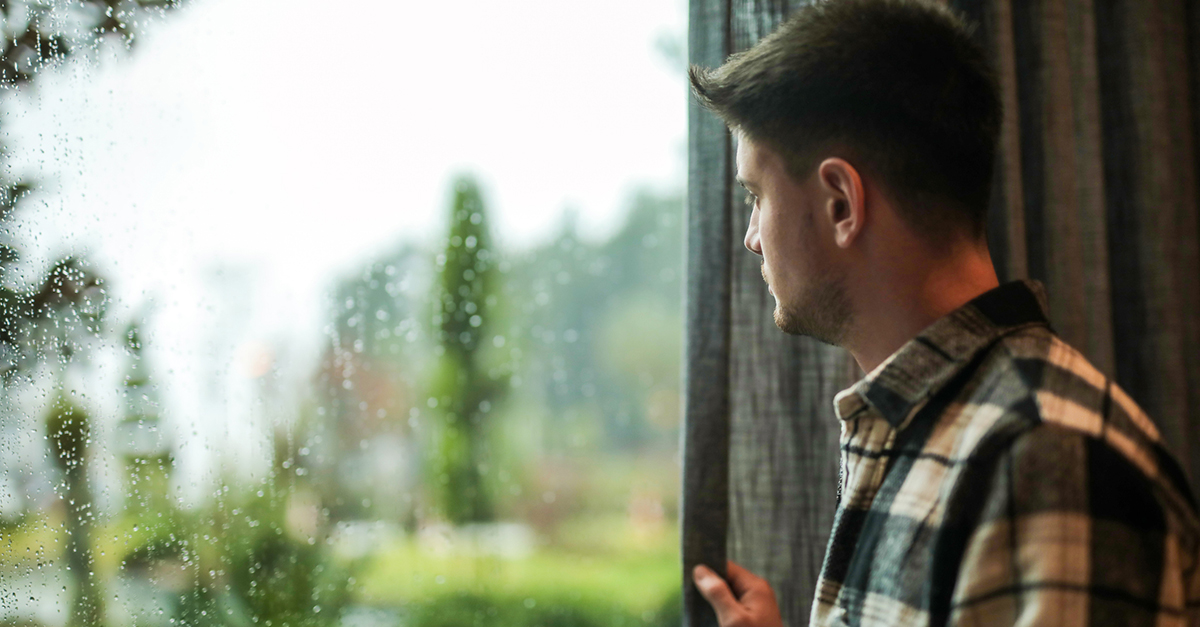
x: 1095, y: 195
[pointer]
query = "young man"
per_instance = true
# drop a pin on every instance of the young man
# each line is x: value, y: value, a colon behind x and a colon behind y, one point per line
x: 991, y: 475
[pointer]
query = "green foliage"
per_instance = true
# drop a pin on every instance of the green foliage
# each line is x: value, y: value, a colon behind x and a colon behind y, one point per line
x: 463, y: 387
x: 576, y: 304
x: 237, y: 562
x: 476, y: 610
x: 275, y: 578
x: 69, y: 431
x: 50, y: 321
x: 243, y: 560
x: 258, y: 554
x: 372, y: 316
x: 34, y: 36
x: 613, y: 565
x: 468, y: 274
x: 49, y: 317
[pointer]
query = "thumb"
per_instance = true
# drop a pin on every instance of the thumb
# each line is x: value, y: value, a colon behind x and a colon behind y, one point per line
x: 717, y: 592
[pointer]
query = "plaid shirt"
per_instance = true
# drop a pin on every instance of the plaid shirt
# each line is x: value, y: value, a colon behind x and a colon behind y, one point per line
x: 992, y: 476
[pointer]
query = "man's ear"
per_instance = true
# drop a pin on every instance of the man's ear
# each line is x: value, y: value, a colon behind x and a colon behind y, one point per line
x: 845, y: 201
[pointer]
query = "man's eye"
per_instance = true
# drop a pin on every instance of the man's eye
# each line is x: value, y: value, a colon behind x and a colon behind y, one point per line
x: 751, y: 199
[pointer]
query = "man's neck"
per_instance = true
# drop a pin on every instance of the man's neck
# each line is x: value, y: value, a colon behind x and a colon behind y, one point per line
x: 902, y: 301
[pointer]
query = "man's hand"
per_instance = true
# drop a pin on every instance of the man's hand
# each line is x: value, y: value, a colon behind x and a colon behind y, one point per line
x: 751, y: 602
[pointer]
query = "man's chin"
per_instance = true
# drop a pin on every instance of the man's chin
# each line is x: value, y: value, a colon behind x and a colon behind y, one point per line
x: 787, y: 322
x: 792, y: 323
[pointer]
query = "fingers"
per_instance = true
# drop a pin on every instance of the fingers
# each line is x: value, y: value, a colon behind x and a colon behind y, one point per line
x: 753, y: 592
x: 718, y: 594
x: 746, y: 601
x: 742, y: 580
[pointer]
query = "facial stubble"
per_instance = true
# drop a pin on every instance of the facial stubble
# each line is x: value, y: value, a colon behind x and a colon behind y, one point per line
x: 822, y: 311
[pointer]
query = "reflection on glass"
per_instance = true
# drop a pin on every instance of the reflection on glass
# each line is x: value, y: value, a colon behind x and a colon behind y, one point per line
x: 298, y: 335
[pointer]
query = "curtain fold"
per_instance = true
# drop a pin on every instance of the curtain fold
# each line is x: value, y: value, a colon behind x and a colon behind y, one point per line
x: 705, y: 499
x: 1094, y: 195
x: 1097, y: 170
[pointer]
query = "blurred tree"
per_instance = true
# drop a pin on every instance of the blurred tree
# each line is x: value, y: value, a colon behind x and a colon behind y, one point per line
x: 645, y: 314
x: 465, y: 390
x: 264, y: 556
x: 49, y: 318
x: 602, y: 323
x: 365, y: 389
x: 69, y: 432
x: 141, y: 442
x: 34, y: 35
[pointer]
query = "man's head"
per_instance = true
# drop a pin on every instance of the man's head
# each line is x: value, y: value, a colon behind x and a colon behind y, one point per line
x: 791, y: 229
x: 856, y: 101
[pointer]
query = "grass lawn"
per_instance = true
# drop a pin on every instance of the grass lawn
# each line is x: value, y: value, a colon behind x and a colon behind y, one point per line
x: 608, y: 564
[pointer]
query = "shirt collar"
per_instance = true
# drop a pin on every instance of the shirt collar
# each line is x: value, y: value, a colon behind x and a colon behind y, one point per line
x: 927, y: 362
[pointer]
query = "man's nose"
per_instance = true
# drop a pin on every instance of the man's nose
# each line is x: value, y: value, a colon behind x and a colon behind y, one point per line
x: 753, y: 244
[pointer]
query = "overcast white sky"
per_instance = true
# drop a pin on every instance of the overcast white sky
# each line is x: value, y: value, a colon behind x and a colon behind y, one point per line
x: 281, y: 129
x: 288, y: 141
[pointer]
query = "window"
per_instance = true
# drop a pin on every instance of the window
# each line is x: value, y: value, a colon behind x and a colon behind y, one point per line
x: 330, y: 315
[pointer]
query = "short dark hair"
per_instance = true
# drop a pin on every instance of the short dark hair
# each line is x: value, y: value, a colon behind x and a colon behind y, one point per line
x: 898, y: 84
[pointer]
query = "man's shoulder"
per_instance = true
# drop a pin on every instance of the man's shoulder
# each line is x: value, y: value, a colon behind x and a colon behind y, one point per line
x: 1048, y: 380
x: 1051, y: 504
x: 1043, y: 406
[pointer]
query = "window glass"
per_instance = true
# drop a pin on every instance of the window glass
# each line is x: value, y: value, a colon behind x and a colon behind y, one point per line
x: 329, y: 314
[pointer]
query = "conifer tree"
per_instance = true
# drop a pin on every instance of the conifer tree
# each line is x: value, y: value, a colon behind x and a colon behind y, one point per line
x: 464, y: 390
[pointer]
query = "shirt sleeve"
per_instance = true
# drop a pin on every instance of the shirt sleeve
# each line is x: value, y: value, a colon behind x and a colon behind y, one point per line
x: 1072, y: 533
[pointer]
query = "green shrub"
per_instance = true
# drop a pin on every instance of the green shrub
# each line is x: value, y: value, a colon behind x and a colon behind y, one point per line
x: 475, y: 610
